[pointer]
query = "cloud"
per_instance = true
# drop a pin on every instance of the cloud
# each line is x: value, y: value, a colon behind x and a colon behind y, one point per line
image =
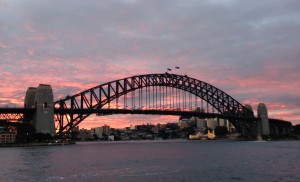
x: 249, y: 49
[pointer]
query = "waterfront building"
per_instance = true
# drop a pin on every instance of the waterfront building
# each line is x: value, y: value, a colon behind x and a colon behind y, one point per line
x: 111, y: 137
x: 7, y: 136
x: 106, y: 129
x: 201, y: 124
x: 101, y: 131
x: 183, y: 123
x: 188, y: 121
x: 98, y: 131
x: 212, y: 123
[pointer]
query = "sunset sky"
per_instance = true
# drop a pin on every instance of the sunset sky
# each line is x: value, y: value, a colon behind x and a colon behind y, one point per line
x: 249, y: 49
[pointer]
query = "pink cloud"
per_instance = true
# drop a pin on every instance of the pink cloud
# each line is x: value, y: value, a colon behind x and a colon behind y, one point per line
x: 39, y: 37
x: 4, y: 46
x: 31, y: 51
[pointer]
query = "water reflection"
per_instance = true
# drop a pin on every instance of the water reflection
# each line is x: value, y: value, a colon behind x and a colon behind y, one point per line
x: 35, y: 162
x: 154, y: 161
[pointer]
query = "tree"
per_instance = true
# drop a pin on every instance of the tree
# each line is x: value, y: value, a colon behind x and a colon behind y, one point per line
x: 74, y: 135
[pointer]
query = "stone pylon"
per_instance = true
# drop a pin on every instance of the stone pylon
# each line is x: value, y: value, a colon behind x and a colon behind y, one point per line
x: 254, y: 125
x: 41, y: 98
x: 262, y: 114
x: 29, y: 103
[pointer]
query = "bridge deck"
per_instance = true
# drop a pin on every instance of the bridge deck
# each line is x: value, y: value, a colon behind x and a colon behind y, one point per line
x: 8, y: 110
x: 118, y: 111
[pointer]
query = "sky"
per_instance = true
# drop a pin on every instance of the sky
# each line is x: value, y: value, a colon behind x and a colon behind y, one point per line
x: 249, y: 49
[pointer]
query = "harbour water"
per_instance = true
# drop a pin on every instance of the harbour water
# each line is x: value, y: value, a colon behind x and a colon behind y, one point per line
x: 165, y: 160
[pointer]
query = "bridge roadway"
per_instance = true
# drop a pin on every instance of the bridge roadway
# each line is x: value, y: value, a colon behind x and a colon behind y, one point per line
x: 99, y: 112
x: 17, y: 113
x: 7, y: 110
x: 144, y: 111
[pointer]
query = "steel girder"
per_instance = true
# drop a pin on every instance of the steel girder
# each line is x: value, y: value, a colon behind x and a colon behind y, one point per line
x: 11, y: 114
x: 95, y: 98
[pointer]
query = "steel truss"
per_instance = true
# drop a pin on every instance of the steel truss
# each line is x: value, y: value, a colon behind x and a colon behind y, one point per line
x: 11, y: 116
x: 94, y: 99
x: 14, y: 114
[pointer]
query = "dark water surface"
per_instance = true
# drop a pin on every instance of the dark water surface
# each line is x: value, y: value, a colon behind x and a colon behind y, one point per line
x: 154, y: 161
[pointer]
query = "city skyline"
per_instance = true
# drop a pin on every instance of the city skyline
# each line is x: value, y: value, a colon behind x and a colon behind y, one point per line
x: 250, y: 50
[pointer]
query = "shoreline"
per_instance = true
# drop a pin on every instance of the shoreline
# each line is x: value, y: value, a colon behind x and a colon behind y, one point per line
x: 6, y: 145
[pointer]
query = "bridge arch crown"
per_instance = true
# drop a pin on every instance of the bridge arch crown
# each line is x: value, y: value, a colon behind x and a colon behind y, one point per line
x: 97, y: 97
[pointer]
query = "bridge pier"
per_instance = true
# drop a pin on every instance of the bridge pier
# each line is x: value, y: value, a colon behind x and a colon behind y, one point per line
x: 262, y: 114
x: 260, y: 127
x: 41, y: 98
x: 29, y: 103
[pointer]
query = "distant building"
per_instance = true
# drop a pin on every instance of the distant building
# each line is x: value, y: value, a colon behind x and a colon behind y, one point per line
x: 85, y: 134
x: 106, y: 129
x: 184, y: 121
x: 212, y: 123
x: 111, y: 137
x: 7, y: 136
x: 201, y: 124
x: 188, y: 121
x: 101, y: 131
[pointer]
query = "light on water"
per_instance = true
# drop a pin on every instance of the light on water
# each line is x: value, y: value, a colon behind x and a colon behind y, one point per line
x: 165, y: 160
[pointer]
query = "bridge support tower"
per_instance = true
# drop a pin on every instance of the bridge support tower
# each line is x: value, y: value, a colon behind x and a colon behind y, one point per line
x: 41, y: 98
x: 262, y: 114
x: 254, y: 126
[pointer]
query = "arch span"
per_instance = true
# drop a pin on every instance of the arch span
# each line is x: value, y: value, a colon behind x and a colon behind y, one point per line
x: 94, y: 99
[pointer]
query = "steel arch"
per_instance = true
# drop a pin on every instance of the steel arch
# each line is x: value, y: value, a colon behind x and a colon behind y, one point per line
x: 95, y: 98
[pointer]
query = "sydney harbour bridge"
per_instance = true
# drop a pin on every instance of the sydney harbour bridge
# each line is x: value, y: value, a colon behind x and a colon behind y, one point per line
x: 154, y: 94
